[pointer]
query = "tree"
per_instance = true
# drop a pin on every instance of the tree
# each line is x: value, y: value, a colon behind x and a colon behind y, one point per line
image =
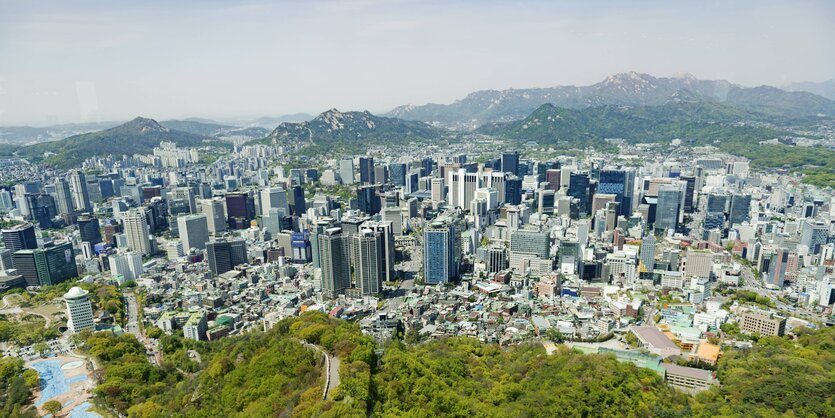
x: 52, y: 406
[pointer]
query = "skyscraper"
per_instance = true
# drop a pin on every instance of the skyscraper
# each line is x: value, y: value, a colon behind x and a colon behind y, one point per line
x: 274, y: 197
x: 397, y: 174
x: 346, y: 170
x: 440, y: 264
x: 80, y: 196
x: 136, y: 231
x: 63, y: 197
x: 366, y: 170
x: 334, y: 259
x: 224, y: 255
x: 578, y: 187
x: 298, y: 206
x: 88, y: 228
x: 215, y: 212
x: 194, y: 231
x: 740, y: 209
x: 368, y: 261
x: 50, y: 265
x: 667, y: 208
x: 648, y: 244
x: 20, y: 237
x: 510, y: 162
x: 79, y: 310
x: 126, y: 264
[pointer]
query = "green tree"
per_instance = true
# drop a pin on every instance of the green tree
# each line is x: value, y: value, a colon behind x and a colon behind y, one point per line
x: 52, y: 406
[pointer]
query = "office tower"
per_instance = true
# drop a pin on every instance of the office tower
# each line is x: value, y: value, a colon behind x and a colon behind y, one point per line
x: 88, y: 228
x: 224, y: 255
x: 63, y: 197
x: 813, y: 235
x: 6, y: 201
x: 438, y: 189
x: 6, y: 262
x: 512, y: 190
x: 713, y: 221
x: 50, y: 265
x: 334, y: 259
x: 510, y: 162
x: 546, y: 201
x: 368, y: 201
x: 126, y: 264
x: 462, y: 187
x: 274, y: 197
x: 531, y: 242
x: 184, y: 195
x: 298, y: 206
x: 346, y: 170
x: 552, y: 177
x: 80, y: 196
x: 397, y: 174
x: 578, y: 188
x: 395, y: 216
x: 740, y: 209
x: 136, y: 230
x: 619, y: 183
x: 380, y: 174
x: 689, y: 193
x: 426, y: 167
x: 240, y: 209
x: 79, y: 310
x: 717, y: 203
x: 648, y: 244
x: 367, y: 261
x: 194, y: 231
x: 215, y: 211
x: 367, y: 170
x: 440, y: 252
x: 20, y: 237
x: 385, y: 230
x: 667, y: 208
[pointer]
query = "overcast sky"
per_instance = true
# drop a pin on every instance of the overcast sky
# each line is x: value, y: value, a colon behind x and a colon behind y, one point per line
x: 71, y: 61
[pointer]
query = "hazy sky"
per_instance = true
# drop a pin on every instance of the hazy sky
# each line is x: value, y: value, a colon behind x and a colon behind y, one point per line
x: 68, y: 61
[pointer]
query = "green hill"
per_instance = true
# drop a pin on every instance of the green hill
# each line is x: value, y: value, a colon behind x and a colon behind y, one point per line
x: 346, y: 132
x: 140, y: 135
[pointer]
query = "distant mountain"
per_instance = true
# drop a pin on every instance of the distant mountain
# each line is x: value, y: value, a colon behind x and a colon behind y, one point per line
x: 272, y: 121
x: 139, y: 135
x: 333, y: 130
x: 198, y: 127
x: 625, y: 89
x: 692, y: 121
x: 822, y: 88
x: 25, y: 135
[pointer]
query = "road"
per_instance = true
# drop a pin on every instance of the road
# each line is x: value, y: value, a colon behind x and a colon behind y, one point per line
x: 331, y: 367
x: 132, y: 309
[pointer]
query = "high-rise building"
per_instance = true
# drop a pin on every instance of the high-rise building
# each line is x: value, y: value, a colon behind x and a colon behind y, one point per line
x: 63, y: 197
x: 194, y: 231
x: 240, y: 209
x: 385, y: 230
x: 224, y: 255
x: 298, y: 206
x: 648, y: 244
x: 20, y: 237
x: 462, y: 187
x: 126, y: 264
x: 274, y: 197
x: 740, y: 209
x: 368, y: 262
x: 80, y: 195
x: 346, y: 170
x: 215, y: 212
x: 440, y: 246
x: 510, y: 162
x: 88, y: 228
x: 668, y: 207
x: 136, y: 230
x: 578, y: 188
x: 367, y: 170
x: 50, y: 265
x: 619, y: 183
x: 79, y: 310
x: 334, y: 259
x: 368, y: 201
x: 397, y: 174
x: 814, y: 235
x: 438, y: 190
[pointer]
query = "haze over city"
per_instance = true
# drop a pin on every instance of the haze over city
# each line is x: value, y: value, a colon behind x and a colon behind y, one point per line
x: 66, y: 62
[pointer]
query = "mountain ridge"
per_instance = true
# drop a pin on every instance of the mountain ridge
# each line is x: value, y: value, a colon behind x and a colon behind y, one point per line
x: 632, y: 88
